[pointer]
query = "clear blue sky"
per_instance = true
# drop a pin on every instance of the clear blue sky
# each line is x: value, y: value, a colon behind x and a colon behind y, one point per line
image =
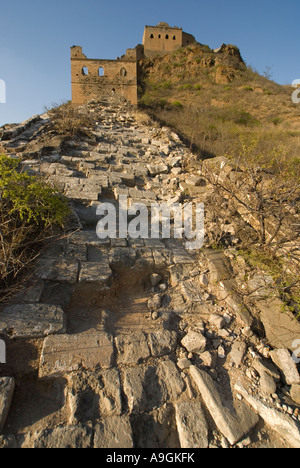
x: 36, y: 35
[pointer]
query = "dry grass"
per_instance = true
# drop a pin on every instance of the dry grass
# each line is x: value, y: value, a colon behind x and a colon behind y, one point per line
x: 217, y: 119
x: 68, y: 120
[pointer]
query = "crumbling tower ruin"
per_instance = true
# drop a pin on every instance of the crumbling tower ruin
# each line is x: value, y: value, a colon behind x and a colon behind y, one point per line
x: 95, y: 78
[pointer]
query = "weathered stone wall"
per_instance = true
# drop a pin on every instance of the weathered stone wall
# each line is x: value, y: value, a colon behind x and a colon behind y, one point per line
x: 93, y: 78
x: 162, y: 39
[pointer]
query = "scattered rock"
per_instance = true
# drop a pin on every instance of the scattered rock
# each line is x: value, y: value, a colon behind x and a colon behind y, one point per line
x: 155, y: 279
x: 155, y: 302
x: 162, y: 342
x: 267, y: 384
x: 275, y: 319
x: 183, y: 363
x: 284, y: 361
x: 279, y: 422
x: 238, y: 352
x: 217, y: 321
x: 194, y: 342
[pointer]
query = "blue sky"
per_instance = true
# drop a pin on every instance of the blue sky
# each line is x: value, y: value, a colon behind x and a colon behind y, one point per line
x: 36, y: 36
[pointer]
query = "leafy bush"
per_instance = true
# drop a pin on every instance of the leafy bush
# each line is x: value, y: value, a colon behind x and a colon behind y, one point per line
x: 28, y: 198
x: 177, y: 105
x: 28, y: 210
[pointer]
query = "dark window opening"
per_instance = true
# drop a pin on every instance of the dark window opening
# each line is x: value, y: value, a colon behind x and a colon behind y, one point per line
x: 85, y: 71
x: 101, y: 71
x: 151, y: 37
x: 167, y: 36
x: 159, y: 36
x: 174, y: 38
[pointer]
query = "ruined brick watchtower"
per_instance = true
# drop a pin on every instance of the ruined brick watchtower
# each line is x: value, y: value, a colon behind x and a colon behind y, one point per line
x: 95, y: 78
x: 162, y: 39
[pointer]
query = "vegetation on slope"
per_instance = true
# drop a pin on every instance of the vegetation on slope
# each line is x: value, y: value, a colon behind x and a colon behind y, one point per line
x: 218, y: 104
x: 222, y: 108
x: 29, y: 209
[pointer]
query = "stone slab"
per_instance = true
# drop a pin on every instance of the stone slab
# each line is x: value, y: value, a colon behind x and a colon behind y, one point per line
x: 94, y: 395
x: 62, y: 271
x: 95, y: 272
x: 282, y: 423
x: 281, y: 327
x: 148, y: 387
x: 32, y: 321
x: 284, y: 361
x: 114, y: 432
x: 233, y: 421
x: 63, y: 354
x: 194, y: 342
x: 7, y: 387
x: 191, y: 425
x: 162, y: 342
x: 132, y: 349
x: 62, y: 438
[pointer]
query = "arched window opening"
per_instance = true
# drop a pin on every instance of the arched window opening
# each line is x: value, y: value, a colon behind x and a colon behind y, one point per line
x: 151, y: 37
x: 159, y: 36
x: 174, y: 38
x: 85, y: 71
x: 123, y: 72
x: 167, y: 36
x: 101, y: 71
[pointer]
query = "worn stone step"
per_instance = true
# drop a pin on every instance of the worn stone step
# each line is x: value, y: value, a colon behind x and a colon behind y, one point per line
x: 32, y: 321
x: 114, y: 432
x: 63, y: 354
x: 149, y: 387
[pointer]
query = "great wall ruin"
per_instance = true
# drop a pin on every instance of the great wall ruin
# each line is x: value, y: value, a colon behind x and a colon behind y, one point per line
x: 138, y: 343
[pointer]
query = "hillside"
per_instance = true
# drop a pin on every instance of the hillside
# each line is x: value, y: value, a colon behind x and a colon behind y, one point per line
x: 217, y: 103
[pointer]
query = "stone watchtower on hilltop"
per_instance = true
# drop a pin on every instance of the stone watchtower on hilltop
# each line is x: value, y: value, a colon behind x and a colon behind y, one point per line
x: 162, y: 39
x: 96, y: 78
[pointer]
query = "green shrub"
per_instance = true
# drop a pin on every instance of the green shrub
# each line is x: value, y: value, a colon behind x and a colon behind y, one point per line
x: 28, y: 210
x: 177, y: 105
x: 29, y: 198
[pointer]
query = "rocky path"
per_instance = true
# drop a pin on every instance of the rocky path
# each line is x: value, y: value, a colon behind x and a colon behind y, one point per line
x: 133, y: 342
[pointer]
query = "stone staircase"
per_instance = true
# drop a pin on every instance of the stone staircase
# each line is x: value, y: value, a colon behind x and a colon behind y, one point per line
x: 99, y: 354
